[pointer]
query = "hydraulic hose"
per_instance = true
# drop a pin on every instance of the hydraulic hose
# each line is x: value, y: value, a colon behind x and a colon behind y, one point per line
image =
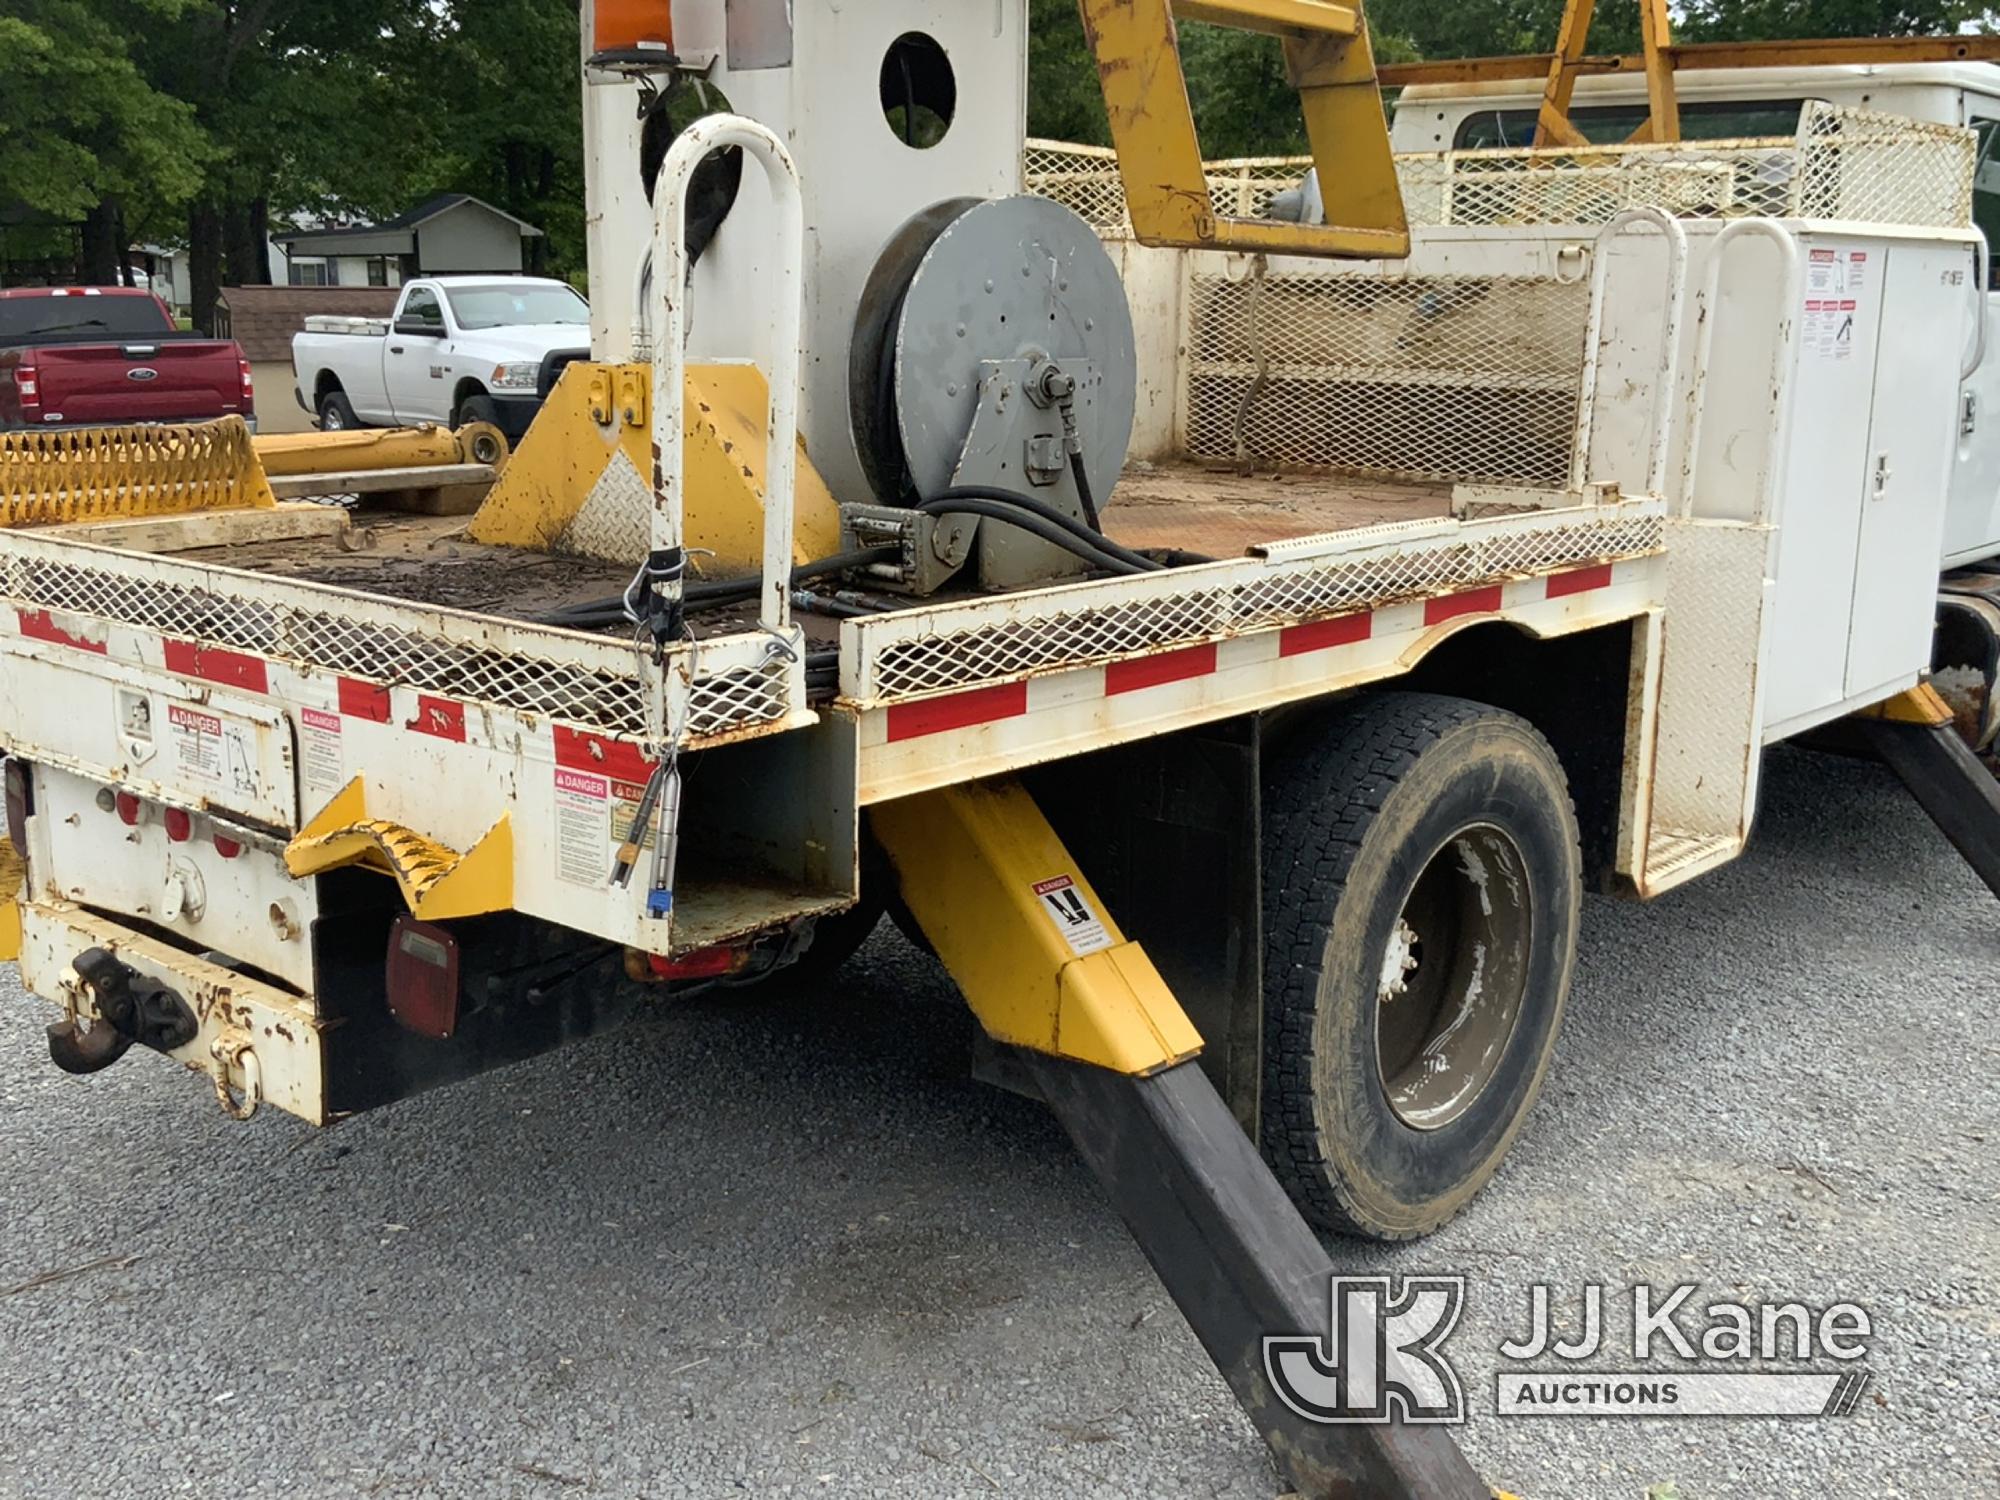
x: 1093, y: 549
x: 1082, y: 478
x: 713, y: 591
x: 942, y: 501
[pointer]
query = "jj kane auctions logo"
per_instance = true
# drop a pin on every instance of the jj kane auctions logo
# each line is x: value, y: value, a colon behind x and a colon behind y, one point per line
x: 1381, y: 1358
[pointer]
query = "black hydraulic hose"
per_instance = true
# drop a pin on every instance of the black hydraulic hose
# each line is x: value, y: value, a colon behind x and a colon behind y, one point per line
x: 1082, y: 479
x: 723, y: 590
x: 943, y: 501
x: 1092, y: 549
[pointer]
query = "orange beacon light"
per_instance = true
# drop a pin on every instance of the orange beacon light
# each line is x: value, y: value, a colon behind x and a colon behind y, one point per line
x: 629, y: 31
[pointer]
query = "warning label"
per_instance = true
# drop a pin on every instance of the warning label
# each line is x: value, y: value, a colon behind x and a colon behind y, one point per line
x: 583, y: 827
x: 320, y: 759
x: 625, y: 797
x: 1836, y: 281
x: 197, y: 742
x: 1073, y: 914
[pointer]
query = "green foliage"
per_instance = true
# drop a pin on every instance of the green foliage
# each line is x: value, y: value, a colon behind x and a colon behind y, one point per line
x: 1064, y: 101
x: 78, y: 120
x: 217, y: 112
x: 1760, y: 20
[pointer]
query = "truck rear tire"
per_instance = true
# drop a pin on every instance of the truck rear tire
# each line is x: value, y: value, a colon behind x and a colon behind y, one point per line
x: 336, y: 413
x: 1422, y: 880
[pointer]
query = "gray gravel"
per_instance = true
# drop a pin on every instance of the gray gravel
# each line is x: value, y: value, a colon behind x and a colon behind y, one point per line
x: 793, y: 1250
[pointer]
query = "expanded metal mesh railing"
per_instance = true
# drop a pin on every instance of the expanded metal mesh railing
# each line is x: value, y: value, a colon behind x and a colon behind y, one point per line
x: 1427, y: 377
x: 1388, y: 370
x: 1849, y: 164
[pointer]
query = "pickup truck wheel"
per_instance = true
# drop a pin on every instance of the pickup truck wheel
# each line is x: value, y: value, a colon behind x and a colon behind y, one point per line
x: 1422, y: 881
x: 336, y: 414
x: 476, y: 409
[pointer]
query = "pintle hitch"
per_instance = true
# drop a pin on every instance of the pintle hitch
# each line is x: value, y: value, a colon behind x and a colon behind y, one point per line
x: 130, y: 1008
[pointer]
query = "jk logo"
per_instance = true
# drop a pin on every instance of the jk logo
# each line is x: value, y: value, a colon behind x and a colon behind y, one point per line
x: 1378, y: 1360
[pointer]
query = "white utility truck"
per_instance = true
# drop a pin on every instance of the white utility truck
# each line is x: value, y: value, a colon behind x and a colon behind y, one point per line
x: 1234, y: 654
x: 1741, y: 103
x: 457, y: 349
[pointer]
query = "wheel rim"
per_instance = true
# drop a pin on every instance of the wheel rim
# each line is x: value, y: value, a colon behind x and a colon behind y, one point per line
x: 1454, y: 976
x: 329, y: 419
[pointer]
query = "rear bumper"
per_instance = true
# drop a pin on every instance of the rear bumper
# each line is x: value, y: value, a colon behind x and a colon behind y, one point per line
x: 263, y: 1042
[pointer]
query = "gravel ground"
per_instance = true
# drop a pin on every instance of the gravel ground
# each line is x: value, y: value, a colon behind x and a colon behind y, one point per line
x: 792, y: 1250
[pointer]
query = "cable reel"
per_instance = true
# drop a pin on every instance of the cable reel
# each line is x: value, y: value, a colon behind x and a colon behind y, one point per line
x: 992, y: 350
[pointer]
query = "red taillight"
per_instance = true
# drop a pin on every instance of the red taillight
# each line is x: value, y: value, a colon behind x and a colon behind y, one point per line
x: 19, y: 804
x: 227, y: 848
x: 699, y: 963
x: 423, y: 977
x: 179, y: 825
x: 28, y: 385
x: 249, y: 387
x: 128, y: 809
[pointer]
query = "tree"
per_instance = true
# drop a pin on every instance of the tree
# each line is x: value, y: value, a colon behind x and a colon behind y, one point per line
x: 1764, y: 20
x: 82, y: 132
x: 509, y: 107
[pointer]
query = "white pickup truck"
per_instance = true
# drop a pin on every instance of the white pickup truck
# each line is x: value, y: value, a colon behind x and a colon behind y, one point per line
x: 457, y: 349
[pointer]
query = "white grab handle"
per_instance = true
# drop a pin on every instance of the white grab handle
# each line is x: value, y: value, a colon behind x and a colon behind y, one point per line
x: 1670, y: 340
x: 1780, y: 384
x: 670, y: 277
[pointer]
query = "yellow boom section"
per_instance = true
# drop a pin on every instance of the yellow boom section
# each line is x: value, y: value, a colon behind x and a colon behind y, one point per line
x: 1329, y: 61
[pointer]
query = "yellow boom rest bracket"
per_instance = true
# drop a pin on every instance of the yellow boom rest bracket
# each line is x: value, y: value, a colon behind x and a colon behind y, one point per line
x: 973, y: 863
x: 13, y: 885
x: 1329, y: 61
x: 436, y: 882
x: 578, y: 482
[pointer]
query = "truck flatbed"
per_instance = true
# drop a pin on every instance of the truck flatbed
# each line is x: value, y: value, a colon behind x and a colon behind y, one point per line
x: 426, y: 559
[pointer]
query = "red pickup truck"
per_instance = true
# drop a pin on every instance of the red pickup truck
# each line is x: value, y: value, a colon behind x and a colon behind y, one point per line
x: 75, y: 356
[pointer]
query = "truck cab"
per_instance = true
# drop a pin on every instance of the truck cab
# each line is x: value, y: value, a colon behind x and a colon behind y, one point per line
x: 456, y: 349
x: 1739, y: 103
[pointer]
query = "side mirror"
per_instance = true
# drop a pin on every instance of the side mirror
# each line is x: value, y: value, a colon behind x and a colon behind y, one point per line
x: 418, y: 328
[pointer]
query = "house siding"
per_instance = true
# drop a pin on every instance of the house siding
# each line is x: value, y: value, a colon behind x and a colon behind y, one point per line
x: 467, y: 238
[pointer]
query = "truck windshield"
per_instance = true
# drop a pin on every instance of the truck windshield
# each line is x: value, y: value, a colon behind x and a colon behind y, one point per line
x: 505, y: 306
x: 1608, y: 124
x: 114, y: 317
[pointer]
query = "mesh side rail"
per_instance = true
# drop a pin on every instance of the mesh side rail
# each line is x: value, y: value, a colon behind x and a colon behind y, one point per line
x: 1866, y: 166
x: 1408, y: 376
x: 591, y: 683
x: 1845, y: 164
x: 952, y: 648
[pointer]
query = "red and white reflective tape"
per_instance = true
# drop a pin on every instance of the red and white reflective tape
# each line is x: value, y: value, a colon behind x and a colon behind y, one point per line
x: 984, y: 730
